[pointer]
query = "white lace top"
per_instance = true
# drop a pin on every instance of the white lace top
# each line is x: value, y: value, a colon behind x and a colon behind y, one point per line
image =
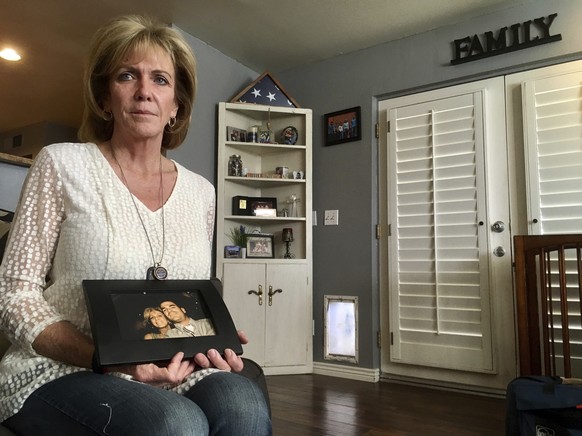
x: 76, y: 221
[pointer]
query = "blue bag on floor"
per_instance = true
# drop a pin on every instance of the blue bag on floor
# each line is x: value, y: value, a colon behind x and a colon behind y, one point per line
x: 543, y: 406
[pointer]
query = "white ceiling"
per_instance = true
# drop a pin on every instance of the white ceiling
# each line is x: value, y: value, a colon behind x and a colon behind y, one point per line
x: 265, y: 35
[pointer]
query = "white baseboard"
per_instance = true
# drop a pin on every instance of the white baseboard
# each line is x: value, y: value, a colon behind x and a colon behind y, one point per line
x: 354, y: 373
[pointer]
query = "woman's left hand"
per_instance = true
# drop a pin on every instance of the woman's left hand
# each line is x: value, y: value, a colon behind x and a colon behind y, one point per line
x: 172, y: 374
x: 230, y: 361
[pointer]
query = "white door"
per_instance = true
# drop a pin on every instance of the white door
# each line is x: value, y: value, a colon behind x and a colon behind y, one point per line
x: 241, y: 284
x: 288, y: 318
x: 549, y: 101
x: 446, y: 297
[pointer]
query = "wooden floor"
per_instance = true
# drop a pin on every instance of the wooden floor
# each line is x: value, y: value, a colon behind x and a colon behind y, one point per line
x: 304, y: 405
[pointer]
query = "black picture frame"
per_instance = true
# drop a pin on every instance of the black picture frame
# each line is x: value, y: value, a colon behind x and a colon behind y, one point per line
x: 115, y: 308
x: 260, y: 246
x: 235, y: 134
x: 335, y: 124
x: 264, y: 203
x: 247, y: 206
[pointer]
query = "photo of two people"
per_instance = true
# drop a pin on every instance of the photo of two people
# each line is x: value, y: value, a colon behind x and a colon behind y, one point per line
x: 163, y: 316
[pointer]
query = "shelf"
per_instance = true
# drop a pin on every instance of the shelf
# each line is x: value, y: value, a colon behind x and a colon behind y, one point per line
x: 264, y: 158
x: 291, y: 313
x: 261, y: 148
x: 262, y: 180
x: 257, y: 219
x: 258, y: 110
x: 235, y: 260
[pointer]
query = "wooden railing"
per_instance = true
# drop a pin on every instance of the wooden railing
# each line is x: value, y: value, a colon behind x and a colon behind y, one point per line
x: 548, y: 299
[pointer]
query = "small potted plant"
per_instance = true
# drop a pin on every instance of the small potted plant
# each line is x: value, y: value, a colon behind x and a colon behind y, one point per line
x: 238, y: 236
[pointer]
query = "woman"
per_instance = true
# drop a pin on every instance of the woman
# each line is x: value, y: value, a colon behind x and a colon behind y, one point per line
x: 115, y: 208
x: 156, y: 319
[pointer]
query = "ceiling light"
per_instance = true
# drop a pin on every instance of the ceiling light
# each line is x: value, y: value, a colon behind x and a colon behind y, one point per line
x: 9, y: 54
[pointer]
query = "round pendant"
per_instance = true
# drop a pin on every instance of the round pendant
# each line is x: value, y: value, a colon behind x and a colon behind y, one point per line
x: 160, y: 273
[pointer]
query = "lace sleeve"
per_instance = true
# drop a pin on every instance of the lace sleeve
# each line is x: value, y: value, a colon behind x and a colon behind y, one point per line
x: 29, y: 253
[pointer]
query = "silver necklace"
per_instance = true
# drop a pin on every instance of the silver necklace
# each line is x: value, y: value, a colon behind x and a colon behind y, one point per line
x: 157, y: 271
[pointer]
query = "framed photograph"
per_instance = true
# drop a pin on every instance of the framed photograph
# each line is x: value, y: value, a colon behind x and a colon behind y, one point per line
x: 343, y: 126
x: 254, y: 206
x: 181, y: 315
x: 263, y: 206
x: 235, y: 134
x: 260, y: 245
x: 231, y: 251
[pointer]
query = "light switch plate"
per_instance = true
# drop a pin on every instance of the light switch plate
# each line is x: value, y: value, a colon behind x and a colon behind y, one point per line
x: 330, y: 218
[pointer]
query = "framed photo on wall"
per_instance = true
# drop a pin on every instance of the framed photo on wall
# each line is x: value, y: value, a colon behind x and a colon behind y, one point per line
x: 343, y: 126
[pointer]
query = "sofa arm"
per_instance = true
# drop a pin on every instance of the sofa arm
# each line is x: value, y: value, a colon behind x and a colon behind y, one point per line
x: 253, y: 371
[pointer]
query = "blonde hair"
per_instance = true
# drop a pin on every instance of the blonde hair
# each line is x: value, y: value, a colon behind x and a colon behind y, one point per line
x: 114, y: 42
x: 147, y: 313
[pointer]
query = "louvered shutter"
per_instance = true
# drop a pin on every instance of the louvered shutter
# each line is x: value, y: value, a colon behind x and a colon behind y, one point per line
x: 553, y: 141
x: 438, y: 248
x: 552, y: 112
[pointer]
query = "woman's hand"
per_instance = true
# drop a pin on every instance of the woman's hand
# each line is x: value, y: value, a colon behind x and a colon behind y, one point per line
x: 178, y: 369
x: 172, y: 374
x: 230, y: 362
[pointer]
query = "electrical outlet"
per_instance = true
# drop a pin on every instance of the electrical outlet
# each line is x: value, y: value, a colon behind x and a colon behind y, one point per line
x: 330, y: 218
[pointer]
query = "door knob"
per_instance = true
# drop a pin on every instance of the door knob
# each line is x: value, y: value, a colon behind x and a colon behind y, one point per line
x: 499, y: 252
x: 498, y: 226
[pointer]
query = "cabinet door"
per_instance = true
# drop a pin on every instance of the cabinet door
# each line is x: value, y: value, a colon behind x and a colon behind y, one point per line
x: 248, y: 315
x: 288, y: 315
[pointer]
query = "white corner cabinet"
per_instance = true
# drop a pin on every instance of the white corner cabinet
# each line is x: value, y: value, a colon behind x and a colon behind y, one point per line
x: 270, y: 298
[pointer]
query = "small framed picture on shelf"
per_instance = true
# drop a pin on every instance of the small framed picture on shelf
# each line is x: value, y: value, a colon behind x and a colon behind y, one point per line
x: 263, y: 206
x: 260, y: 246
x: 343, y: 126
x: 231, y: 251
x: 235, y: 134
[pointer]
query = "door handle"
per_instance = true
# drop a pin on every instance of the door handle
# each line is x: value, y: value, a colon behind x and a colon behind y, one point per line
x: 271, y: 293
x: 499, y: 251
x: 259, y: 294
x: 498, y: 226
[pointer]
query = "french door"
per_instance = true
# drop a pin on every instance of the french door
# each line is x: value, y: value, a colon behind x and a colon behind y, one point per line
x: 446, y: 263
x: 550, y: 136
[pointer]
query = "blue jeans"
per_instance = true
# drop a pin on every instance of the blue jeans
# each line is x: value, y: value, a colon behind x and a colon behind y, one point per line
x: 85, y: 403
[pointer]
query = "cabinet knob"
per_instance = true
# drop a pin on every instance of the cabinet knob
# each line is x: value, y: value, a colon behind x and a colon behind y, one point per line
x: 259, y: 294
x: 271, y: 293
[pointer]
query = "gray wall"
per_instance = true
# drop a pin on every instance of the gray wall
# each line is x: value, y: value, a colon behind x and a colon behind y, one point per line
x: 34, y: 137
x: 220, y: 78
x: 346, y: 256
